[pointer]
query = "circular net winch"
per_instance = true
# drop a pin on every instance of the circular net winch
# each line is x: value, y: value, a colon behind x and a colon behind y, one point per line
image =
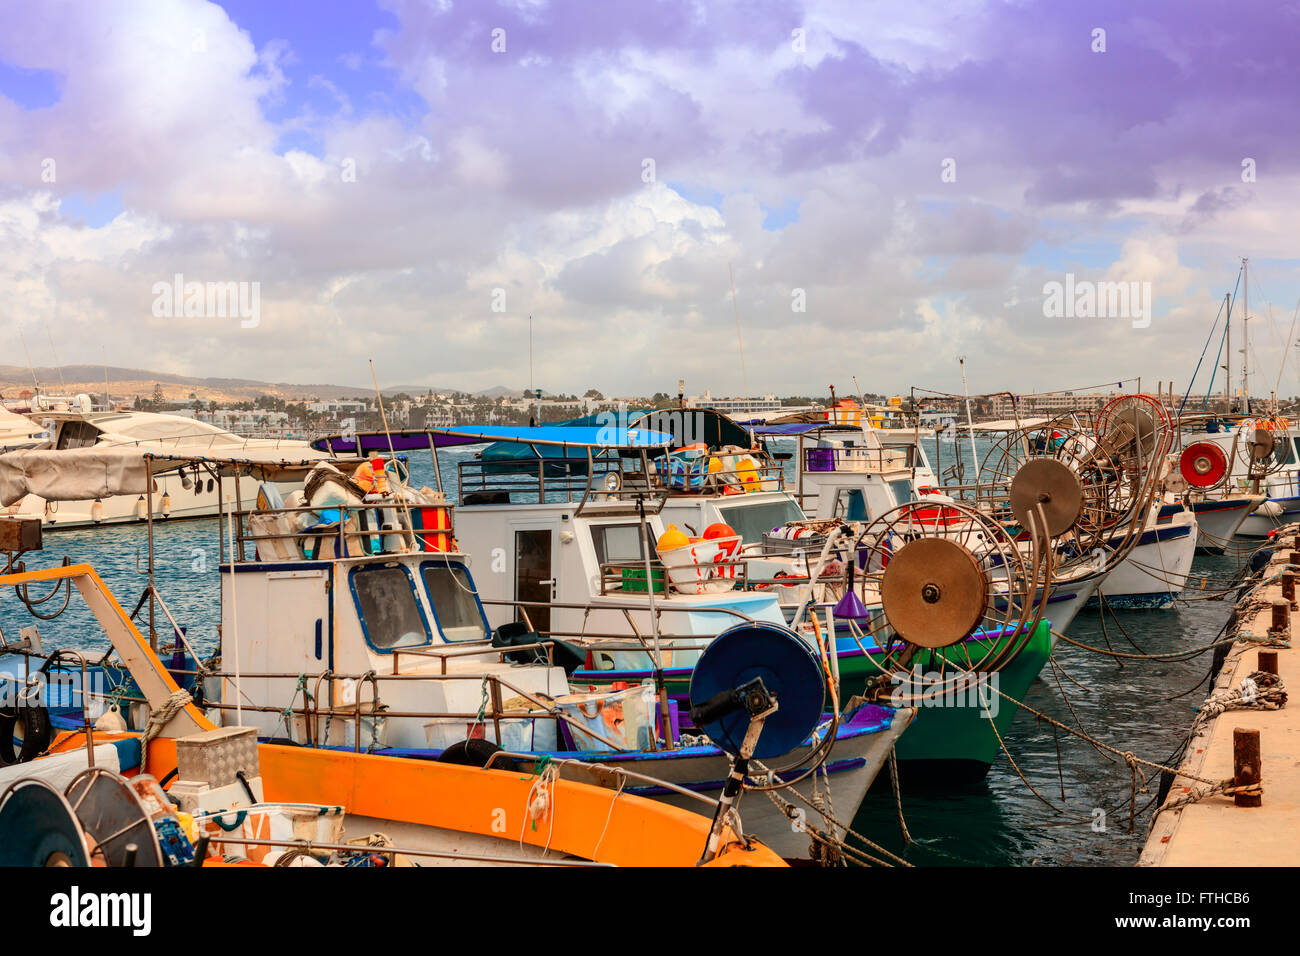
x: 957, y: 596
x: 1260, y: 446
x: 1116, y: 467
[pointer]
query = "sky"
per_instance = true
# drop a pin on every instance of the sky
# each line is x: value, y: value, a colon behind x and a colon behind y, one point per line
x: 891, y: 184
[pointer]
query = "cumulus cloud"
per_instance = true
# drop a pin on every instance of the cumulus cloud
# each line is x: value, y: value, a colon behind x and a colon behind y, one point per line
x: 910, y: 176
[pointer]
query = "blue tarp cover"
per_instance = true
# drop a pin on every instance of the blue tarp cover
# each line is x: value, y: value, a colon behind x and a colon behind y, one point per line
x: 566, y: 436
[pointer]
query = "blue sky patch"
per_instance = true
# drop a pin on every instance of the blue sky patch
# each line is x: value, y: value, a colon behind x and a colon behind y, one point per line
x: 93, y: 211
x: 30, y: 89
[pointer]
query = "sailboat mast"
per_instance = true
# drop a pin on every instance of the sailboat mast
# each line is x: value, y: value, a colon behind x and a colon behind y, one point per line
x: 970, y: 425
x: 1227, y: 362
x: 1245, y: 336
x: 740, y: 343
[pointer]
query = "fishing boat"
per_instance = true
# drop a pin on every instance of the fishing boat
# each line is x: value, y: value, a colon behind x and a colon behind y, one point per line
x: 606, y: 572
x: 374, y: 599
x: 1231, y: 460
x: 1244, y: 461
x: 94, y: 794
x: 1123, y: 463
x: 849, y: 471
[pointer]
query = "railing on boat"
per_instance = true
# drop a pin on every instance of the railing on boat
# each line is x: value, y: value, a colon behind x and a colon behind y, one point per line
x: 821, y: 460
x: 628, y: 577
x: 604, y: 482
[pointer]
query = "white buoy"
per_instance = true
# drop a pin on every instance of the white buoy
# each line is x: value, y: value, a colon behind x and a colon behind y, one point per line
x: 110, y: 721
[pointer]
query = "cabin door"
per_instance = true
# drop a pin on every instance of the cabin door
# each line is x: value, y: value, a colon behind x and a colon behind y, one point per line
x: 534, y: 576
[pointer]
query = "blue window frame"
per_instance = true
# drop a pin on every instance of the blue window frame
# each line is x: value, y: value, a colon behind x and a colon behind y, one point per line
x: 453, y: 595
x: 391, y: 613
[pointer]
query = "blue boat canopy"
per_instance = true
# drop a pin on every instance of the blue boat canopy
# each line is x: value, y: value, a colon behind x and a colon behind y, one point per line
x: 798, y: 428
x: 575, y: 437
x: 684, y: 426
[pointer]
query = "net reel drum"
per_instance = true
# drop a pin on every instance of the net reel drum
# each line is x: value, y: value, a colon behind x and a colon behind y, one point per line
x: 959, y: 594
x: 1259, y: 449
x: 1061, y: 467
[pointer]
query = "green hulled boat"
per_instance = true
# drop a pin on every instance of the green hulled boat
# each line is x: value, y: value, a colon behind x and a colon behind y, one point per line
x: 952, y: 737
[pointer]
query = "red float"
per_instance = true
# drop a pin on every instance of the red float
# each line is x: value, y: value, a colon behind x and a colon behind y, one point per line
x: 1203, y: 464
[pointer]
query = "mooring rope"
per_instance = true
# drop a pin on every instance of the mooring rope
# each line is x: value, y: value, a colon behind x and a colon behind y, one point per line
x: 159, y: 718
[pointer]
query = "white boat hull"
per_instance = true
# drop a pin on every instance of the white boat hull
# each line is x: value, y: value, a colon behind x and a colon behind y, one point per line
x: 1154, y: 573
x: 171, y: 501
x: 1218, y: 522
x: 1268, y: 517
x: 859, y: 757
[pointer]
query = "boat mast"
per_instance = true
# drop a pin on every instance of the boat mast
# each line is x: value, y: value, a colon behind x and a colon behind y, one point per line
x: 970, y: 425
x: 1227, y: 362
x: 740, y: 343
x: 1245, y: 336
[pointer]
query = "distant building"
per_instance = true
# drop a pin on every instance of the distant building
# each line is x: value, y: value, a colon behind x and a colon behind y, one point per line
x: 1061, y: 403
x: 255, y: 423
x: 769, y: 403
x: 337, y: 407
x: 1049, y: 403
x: 439, y: 416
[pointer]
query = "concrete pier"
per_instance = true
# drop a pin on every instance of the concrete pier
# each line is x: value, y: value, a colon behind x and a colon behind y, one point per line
x: 1216, y: 830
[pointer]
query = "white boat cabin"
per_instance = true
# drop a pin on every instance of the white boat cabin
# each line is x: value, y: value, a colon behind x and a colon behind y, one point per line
x: 358, y: 617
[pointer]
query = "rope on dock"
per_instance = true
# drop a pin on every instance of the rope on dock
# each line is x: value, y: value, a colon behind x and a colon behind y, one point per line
x: 1259, y: 691
x: 1225, y: 787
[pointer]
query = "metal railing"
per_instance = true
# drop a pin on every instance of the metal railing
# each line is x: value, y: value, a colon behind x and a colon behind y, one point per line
x: 350, y: 542
x: 859, y: 460
x: 313, y: 714
x: 741, y: 577
x: 607, y: 479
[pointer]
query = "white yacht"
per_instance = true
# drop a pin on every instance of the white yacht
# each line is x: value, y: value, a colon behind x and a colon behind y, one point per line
x: 17, y: 431
x: 178, y: 493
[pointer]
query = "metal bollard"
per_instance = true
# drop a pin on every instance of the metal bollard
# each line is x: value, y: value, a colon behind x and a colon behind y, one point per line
x: 1281, y: 618
x: 1246, y: 766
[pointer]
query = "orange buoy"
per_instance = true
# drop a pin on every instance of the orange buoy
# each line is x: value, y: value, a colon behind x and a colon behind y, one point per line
x: 673, y: 537
x: 371, y: 476
x: 719, y: 529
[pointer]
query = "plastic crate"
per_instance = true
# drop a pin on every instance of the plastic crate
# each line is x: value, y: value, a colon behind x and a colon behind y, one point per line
x: 634, y: 580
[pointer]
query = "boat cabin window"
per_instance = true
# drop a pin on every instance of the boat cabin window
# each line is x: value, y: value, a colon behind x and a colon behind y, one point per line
x: 75, y: 434
x: 1284, y: 453
x: 390, y: 613
x: 752, y: 521
x: 456, y: 610
x: 851, y: 505
x: 617, y: 543
x: 902, y: 490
